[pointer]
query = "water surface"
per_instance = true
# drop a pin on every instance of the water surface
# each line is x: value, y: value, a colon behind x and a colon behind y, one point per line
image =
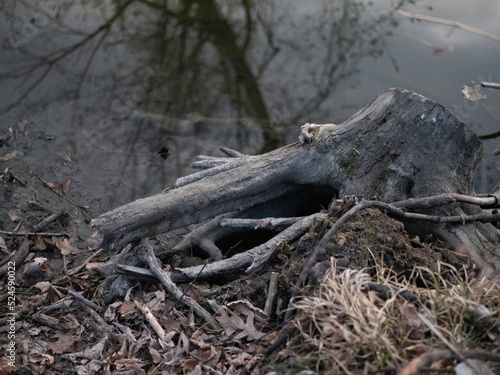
x: 121, y: 96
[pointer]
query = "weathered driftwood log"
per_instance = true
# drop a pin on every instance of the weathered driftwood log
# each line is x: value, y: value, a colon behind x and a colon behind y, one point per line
x: 400, y: 146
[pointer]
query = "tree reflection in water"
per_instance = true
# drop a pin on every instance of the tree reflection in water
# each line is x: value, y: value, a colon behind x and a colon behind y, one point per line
x: 117, y: 82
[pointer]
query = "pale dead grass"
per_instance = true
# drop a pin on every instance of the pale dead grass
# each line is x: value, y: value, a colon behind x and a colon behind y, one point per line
x: 350, y: 327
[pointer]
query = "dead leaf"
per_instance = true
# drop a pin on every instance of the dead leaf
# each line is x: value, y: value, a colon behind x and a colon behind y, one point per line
x: 69, y: 321
x: 474, y: 92
x: 203, y: 354
x: 11, y: 155
x: 38, y: 243
x: 240, y: 360
x: 182, y: 345
x: 155, y: 354
x: 156, y: 303
x: 43, y: 286
x: 135, y: 346
x: 60, y: 188
x: 216, y: 357
x: 64, y: 344
x: 244, y: 307
x: 110, y: 313
x: 15, y: 215
x: 93, y: 265
x: 189, y: 365
x: 203, y: 286
x: 410, y: 315
x: 122, y: 353
x: 234, y: 325
x: 90, y: 368
x: 5, y: 367
x: 126, y: 307
x: 41, y: 358
x: 169, y: 323
x: 66, y: 248
x: 128, y: 310
x: 95, y: 352
x: 53, y: 294
x: 129, y: 366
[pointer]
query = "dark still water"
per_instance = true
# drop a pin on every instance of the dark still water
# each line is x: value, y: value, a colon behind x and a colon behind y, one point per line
x: 121, y: 96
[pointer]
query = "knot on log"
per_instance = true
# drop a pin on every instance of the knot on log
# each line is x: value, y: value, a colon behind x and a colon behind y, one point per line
x: 310, y: 131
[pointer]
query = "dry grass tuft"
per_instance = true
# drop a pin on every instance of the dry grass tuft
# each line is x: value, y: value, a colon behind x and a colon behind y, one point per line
x: 352, y: 327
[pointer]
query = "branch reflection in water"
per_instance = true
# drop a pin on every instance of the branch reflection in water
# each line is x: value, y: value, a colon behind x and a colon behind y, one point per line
x: 118, y: 86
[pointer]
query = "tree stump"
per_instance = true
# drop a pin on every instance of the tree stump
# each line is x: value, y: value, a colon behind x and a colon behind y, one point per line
x: 401, y: 145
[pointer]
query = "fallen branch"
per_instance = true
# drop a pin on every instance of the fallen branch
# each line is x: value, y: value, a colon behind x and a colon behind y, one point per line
x: 185, y: 292
x: 211, y: 169
x: 93, y: 310
x: 94, y: 352
x: 147, y: 253
x: 84, y: 300
x: 452, y: 23
x: 271, y: 223
x: 50, y: 321
x: 49, y: 219
x: 77, y: 269
x: 204, y: 237
x: 492, y: 200
x: 17, y: 258
x: 151, y: 320
x: 43, y: 234
x: 62, y: 304
x: 250, y: 260
x: 207, y: 162
x: 491, y: 85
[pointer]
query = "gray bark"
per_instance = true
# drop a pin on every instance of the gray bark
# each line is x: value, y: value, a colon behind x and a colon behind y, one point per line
x: 400, y: 146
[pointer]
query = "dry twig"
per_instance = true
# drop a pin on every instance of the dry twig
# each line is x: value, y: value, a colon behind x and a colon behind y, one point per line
x: 154, y: 265
x: 151, y: 320
x: 18, y: 257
